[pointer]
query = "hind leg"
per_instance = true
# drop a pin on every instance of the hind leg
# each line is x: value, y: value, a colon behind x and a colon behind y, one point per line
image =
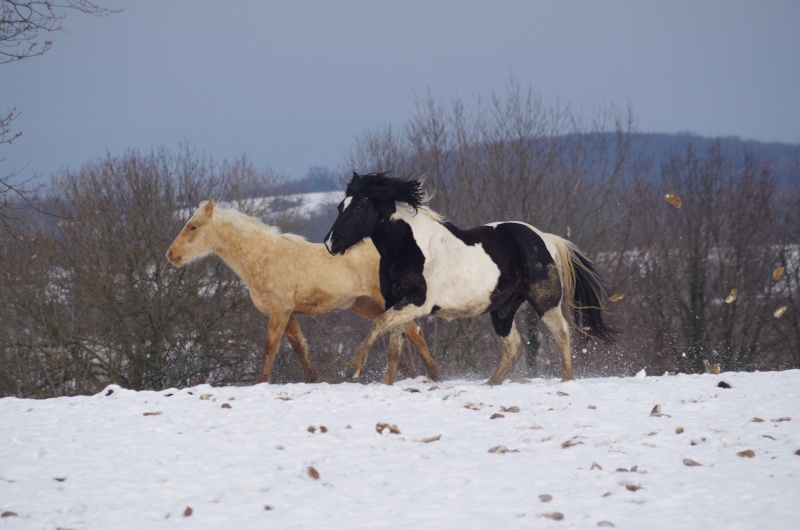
x: 544, y: 296
x: 511, y: 344
x: 300, y: 348
x: 557, y: 324
x: 506, y: 328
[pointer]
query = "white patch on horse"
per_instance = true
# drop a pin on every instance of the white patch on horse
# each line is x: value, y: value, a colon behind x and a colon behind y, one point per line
x: 460, y: 277
x: 346, y: 202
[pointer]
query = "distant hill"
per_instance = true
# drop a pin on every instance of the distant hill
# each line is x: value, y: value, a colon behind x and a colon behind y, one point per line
x: 657, y: 145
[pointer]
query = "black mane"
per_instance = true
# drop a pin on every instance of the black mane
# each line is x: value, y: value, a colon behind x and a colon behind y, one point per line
x: 380, y: 186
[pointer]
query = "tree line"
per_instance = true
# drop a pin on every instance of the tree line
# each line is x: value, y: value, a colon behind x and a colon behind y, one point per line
x: 88, y: 298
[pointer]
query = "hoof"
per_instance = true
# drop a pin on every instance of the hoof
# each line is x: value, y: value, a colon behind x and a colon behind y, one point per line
x: 352, y: 373
x: 433, y: 375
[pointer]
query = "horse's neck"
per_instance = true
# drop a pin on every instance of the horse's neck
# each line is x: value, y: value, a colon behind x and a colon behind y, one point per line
x: 390, y: 238
x: 240, y: 249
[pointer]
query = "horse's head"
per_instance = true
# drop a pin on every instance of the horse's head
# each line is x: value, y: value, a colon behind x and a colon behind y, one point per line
x: 357, y: 218
x: 370, y: 200
x: 193, y: 242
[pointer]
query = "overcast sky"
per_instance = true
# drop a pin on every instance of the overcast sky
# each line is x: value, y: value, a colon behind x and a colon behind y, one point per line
x: 293, y: 83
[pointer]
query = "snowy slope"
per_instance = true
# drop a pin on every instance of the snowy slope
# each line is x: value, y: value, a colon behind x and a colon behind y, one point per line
x: 544, y: 454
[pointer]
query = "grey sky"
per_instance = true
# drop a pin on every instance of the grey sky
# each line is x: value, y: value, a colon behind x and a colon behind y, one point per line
x: 291, y: 84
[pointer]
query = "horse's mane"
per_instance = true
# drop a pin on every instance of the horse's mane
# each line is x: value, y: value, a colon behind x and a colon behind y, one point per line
x: 250, y: 225
x: 380, y: 186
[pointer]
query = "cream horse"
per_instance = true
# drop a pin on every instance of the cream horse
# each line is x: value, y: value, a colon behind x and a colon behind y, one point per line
x: 287, y: 275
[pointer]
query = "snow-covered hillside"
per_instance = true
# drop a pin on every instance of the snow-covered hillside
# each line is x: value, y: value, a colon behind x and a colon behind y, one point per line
x: 645, y: 452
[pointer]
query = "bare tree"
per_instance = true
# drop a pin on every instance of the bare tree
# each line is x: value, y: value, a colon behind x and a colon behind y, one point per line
x: 91, y: 300
x: 24, y: 25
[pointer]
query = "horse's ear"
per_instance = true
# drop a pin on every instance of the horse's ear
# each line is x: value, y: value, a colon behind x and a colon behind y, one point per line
x: 209, y: 206
x: 356, y: 176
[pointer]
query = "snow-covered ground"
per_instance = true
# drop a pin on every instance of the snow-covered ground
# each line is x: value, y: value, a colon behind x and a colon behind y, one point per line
x: 671, y: 452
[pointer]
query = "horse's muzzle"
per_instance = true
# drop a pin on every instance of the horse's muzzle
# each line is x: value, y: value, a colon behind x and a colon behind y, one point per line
x: 175, y: 260
x: 330, y: 245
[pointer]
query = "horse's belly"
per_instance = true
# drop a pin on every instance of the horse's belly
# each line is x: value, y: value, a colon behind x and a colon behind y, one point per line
x: 461, y: 292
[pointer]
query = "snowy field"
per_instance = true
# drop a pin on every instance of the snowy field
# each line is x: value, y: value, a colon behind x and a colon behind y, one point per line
x: 672, y: 452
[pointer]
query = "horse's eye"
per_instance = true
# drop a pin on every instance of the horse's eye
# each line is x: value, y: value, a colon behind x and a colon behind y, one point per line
x: 193, y: 227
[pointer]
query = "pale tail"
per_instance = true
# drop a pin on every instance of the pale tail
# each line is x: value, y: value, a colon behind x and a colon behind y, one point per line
x: 584, y: 290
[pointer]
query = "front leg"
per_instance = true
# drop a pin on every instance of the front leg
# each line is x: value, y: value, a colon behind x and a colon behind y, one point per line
x: 275, y: 329
x: 392, y: 318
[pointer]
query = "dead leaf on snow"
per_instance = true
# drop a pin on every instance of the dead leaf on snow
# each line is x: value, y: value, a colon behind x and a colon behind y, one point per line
x: 562, y: 394
x: 188, y: 511
x: 500, y: 449
x: 206, y: 397
x: 731, y: 296
x: 780, y: 311
x: 430, y: 439
x: 571, y: 443
x: 656, y: 411
x: 509, y: 409
x: 757, y: 420
x: 496, y: 415
x: 595, y: 465
x: 632, y: 487
x: 784, y: 418
x: 545, y: 498
x: 797, y: 452
x: 679, y: 430
x: 768, y: 436
x: 312, y: 472
x: 556, y: 516
x: 673, y: 200
x: 9, y: 514
x: 691, y: 463
x: 591, y: 407
x: 59, y: 479
x: 311, y: 429
x: 776, y: 274
x: 412, y: 390
x: 226, y: 406
x: 472, y: 406
x: 749, y: 453
x: 380, y: 427
x: 323, y: 429
x: 152, y: 414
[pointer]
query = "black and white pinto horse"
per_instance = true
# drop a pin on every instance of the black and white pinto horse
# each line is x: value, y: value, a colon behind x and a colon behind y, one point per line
x: 429, y: 266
